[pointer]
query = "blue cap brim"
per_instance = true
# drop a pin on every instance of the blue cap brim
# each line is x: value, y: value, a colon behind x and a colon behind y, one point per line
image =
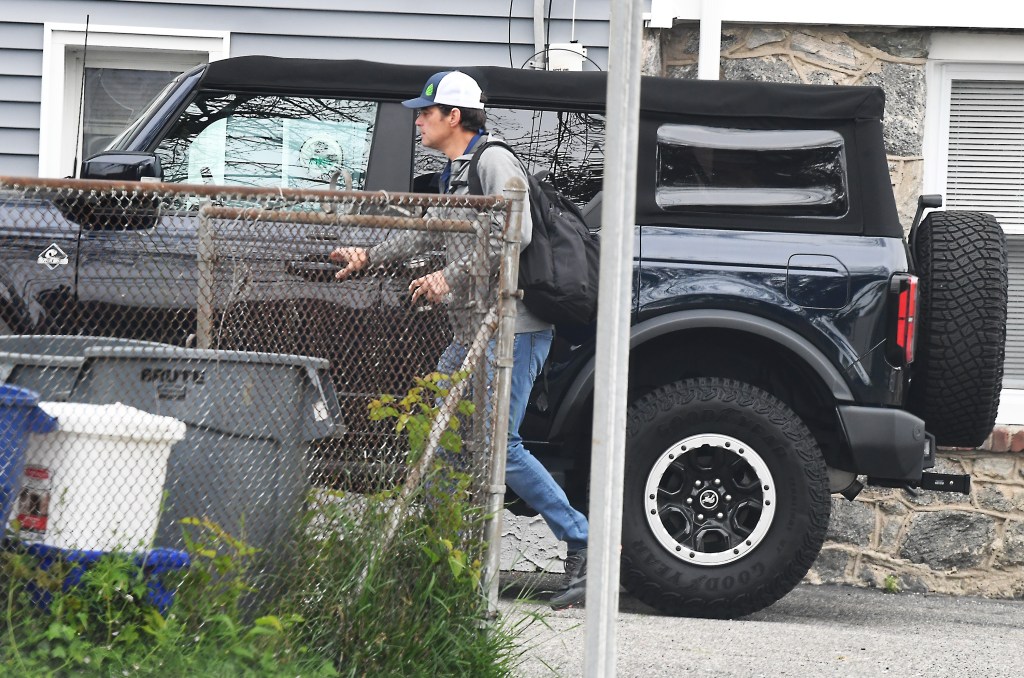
x: 418, y: 102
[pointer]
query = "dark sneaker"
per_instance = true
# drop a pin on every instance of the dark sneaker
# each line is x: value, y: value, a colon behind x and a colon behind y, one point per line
x: 574, y: 590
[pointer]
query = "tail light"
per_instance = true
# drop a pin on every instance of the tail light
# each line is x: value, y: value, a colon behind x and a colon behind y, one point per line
x: 903, y: 337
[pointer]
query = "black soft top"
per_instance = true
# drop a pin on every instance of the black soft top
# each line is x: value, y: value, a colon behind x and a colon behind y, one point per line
x: 583, y: 91
x: 856, y: 112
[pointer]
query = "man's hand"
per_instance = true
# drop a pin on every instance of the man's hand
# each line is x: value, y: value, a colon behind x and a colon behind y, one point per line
x: 354, y: 258
x: 432, y: 286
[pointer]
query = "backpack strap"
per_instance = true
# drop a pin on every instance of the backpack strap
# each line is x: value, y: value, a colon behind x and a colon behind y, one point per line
x: 475, y: 187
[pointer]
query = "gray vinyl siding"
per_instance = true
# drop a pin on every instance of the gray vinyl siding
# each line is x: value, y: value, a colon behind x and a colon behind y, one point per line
x: 20, y: 165
x: 20, y: 88
x: 19, y: 141
x: 21, y: 64
x: 20, y: 61
x: 20, y: 34
x: 400, y: 31
x: 19, y: 115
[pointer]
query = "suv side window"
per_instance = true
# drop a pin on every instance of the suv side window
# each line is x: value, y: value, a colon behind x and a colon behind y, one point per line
x: 569, y: 146
x: 269, y: 141
x: 772, y: 172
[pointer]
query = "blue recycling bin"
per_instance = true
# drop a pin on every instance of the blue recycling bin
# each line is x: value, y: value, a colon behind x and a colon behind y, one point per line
x: 153, y: 566
x: 19, y: 416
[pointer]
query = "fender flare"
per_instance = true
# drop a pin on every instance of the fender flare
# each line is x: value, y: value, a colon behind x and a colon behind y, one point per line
x: 644, y: 331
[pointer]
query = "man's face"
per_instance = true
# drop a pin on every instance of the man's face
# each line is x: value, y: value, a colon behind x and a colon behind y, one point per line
x: 433, y: 126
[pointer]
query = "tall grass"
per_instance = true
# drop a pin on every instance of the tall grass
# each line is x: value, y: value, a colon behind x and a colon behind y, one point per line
x: 417, y: 607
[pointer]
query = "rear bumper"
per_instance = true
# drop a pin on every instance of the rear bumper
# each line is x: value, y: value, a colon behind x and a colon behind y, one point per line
x: 887, y: 443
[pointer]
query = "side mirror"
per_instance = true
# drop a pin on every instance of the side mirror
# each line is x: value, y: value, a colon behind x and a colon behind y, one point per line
x: 123, y: 166
x: 104, y: 212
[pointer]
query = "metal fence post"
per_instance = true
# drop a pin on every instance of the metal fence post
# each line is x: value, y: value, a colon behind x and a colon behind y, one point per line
x: 479, y: 272
x: 515, y: 191
x: 207, y: 255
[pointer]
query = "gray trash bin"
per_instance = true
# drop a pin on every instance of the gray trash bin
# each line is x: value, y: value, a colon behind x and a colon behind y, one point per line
x: 49, y: 364
x: 250, y: 416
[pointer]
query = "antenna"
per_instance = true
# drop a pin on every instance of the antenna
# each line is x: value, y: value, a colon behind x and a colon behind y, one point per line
x: 77, y: 170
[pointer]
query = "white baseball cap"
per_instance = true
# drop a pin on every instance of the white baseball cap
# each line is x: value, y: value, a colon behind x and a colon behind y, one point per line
x: 449, y: 88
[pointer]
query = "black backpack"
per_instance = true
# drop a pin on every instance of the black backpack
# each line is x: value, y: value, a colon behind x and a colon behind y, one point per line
x: 558, y: 270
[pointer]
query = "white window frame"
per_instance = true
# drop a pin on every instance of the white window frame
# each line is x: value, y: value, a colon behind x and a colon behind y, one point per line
x: 61, y: 76
x: 959, y: 56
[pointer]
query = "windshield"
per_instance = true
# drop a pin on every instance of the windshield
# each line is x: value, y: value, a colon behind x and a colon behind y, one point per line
x: 119, y: 142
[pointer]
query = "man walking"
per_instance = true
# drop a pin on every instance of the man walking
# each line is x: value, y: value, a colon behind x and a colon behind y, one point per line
x: 450, y: 117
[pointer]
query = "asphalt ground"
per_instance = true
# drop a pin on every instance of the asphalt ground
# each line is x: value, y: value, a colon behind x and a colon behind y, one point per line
x: 814, y: 631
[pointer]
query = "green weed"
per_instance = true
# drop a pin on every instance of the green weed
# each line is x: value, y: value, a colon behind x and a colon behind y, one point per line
x: 419, y: 608
x: 109, y: 624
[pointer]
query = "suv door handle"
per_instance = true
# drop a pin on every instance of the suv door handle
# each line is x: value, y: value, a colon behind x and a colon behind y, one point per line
x: 319, y: 268
x: 315, y: 268
x: 321, y: 236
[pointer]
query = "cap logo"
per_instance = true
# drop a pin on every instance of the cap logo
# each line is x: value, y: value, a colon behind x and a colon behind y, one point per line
x: 429, y: 91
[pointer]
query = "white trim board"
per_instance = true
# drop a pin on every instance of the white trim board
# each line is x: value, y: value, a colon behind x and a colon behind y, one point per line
x: 54, y: 137
x: 977, y: 14
x: 967, y: 57
x: 1011, y: 407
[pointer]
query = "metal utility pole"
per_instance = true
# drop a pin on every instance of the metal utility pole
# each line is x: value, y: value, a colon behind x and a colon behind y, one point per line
x: 612, y: 357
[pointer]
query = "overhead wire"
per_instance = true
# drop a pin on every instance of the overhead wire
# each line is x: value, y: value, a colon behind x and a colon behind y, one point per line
x: 511, y: 64
x: 563, y: 132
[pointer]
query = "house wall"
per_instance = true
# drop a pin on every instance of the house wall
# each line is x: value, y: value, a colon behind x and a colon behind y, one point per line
x: 401, y: 31
x: 21, y: 64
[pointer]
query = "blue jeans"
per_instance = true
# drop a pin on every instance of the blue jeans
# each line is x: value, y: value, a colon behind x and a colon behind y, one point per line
x: 524, y: 475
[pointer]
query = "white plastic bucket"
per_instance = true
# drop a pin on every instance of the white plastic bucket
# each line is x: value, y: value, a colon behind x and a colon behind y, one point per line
x: 96, y: 482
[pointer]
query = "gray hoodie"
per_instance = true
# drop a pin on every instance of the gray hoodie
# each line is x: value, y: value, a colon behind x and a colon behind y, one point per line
x: 495, y: 167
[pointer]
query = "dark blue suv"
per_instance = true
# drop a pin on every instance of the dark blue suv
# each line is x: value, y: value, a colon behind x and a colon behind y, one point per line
x: 790, y: 338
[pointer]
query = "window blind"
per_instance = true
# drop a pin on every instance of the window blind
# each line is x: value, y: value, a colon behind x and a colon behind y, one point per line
x: 985, y: 166
x: 985, y: 173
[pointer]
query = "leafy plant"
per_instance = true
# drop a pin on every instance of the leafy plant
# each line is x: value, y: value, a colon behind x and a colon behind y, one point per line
x: 217, y: 582
x: 101, y: 618
x: 415, y: 412
x: 419, y: 609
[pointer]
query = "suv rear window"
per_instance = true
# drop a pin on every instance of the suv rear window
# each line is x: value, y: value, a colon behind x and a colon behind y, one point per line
x: 771, y: 172
x: 269, y: 141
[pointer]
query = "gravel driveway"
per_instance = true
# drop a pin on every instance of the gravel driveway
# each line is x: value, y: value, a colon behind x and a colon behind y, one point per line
x: 813, y: 631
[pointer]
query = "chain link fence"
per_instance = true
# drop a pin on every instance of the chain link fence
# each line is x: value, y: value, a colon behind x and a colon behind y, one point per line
x: 189, y: 387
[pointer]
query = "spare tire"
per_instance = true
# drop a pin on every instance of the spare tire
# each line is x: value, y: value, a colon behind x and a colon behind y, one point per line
x: 960, y: 259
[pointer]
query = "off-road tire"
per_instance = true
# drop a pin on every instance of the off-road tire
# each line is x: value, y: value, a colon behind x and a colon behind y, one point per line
x: 961, y: 261
x: 706, y: 431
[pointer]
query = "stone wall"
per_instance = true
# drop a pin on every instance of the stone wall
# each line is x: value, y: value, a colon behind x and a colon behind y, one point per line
x: 935, y: 541
x: 892, y: 59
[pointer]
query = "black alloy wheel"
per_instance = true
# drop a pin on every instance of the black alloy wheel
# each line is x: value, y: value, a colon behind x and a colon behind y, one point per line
x: 726, y: 499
